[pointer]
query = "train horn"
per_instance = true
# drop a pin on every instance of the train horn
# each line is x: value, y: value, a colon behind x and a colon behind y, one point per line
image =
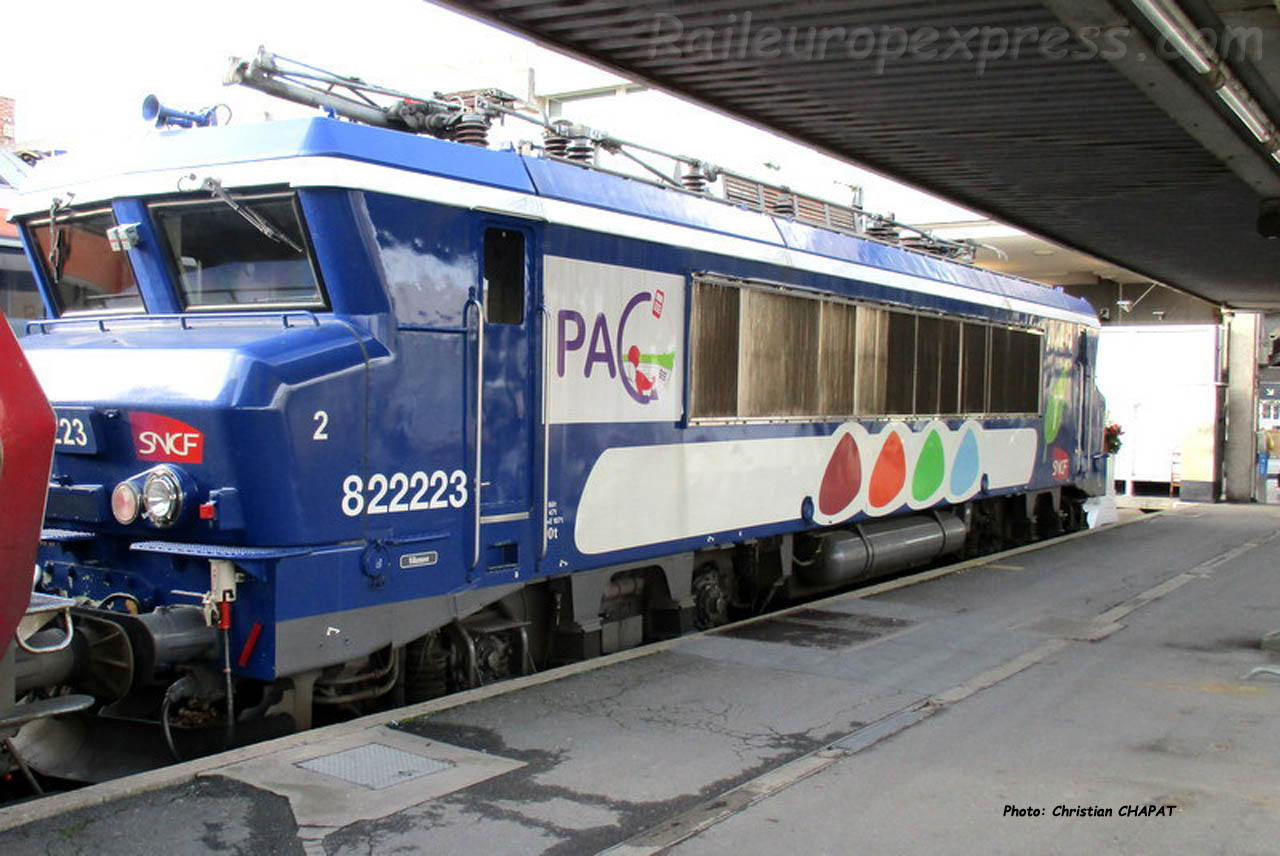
x: 167, y: 117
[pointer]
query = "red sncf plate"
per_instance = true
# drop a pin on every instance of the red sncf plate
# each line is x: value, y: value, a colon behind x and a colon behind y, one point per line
x: 1061, y: 464
x: 163, y: 438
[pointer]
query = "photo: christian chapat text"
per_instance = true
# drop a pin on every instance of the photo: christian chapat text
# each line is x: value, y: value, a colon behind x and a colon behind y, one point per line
x: 1135, y: 810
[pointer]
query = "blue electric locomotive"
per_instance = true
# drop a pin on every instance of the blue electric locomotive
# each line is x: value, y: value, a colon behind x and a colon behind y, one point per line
x: 349, y: 413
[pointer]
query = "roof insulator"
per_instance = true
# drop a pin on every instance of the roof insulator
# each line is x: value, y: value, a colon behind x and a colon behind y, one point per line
x: 695, y: 179
x: 472, y: 129
x: 581, y: 149
x: 554, y: 144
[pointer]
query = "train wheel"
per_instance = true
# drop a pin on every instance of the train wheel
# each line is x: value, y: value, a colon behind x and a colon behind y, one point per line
x: 426, y: 668
x: 988, y: 528
x: 1016, y: 525
x: 979, y: 537
x: 1048, y: 521
x: 710, y: 597
x: 1073, y: 509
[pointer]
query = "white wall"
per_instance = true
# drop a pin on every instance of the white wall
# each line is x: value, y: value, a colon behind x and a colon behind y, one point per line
x: 1161, y: 386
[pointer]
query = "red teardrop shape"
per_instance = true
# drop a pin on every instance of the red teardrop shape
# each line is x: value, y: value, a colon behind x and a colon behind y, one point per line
x: 843, y: 478
x: 890, y: 471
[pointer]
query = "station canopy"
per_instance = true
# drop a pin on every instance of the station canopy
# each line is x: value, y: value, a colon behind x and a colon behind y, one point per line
x: 1142, y: 132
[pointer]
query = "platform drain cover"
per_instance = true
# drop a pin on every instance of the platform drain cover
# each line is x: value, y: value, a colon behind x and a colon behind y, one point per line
x: 375, y: 766
x: 819, y: 628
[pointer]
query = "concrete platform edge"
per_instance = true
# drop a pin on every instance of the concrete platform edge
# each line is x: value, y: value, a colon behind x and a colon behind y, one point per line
x: 179, y: 774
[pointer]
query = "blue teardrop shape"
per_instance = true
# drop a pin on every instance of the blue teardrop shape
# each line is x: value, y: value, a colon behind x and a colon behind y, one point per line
x: 964, y: 470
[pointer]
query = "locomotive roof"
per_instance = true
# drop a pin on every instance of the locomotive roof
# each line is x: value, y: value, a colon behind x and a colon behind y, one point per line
x: 151, y: 165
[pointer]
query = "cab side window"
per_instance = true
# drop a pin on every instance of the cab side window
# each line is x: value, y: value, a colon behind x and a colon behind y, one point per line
x: 503, y: 276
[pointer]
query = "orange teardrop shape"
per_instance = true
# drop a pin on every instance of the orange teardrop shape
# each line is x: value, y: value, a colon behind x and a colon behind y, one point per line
x: 890, y: 472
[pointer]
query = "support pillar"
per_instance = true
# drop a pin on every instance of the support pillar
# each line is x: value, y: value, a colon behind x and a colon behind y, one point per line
x: 1240, y: 459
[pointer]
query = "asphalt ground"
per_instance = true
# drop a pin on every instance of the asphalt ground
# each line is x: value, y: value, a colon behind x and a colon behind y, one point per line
x: 953, y: 713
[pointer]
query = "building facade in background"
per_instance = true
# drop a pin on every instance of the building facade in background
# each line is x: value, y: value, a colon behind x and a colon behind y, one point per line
x: 8, y: 127
x: 18, y: 297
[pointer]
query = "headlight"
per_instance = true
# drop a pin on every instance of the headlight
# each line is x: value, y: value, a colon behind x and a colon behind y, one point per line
x: 162, y: 496
x: 125, y: 503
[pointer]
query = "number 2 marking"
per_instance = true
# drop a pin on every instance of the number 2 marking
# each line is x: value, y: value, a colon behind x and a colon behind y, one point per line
x: 418, y: 503
x: 378, y: 483
x: 322, y: 432
x: 397, y: 502
x: 441, y: 481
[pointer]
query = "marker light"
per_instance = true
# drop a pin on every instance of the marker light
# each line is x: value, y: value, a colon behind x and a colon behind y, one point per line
x: 162, y: 496
x: 125, y: 503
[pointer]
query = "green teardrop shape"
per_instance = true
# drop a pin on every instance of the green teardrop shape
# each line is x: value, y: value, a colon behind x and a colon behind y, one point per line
x: 930, y: 467
x: 1054, y: 410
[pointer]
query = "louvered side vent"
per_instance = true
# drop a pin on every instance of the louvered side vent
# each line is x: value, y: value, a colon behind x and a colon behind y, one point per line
x: 744, y: 191
x: 782, y: 202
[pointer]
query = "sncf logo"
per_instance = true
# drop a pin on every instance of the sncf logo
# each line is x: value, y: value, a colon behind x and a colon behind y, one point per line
x: 160, y: 438
x: 1061, y: 464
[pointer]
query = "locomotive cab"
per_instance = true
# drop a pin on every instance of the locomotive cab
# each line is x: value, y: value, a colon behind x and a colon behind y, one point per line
x: 271, y: 402
x: 221, y: 315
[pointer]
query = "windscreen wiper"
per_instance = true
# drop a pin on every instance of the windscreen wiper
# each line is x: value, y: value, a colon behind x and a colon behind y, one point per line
x: 57, y: 239
x: 213, y: 186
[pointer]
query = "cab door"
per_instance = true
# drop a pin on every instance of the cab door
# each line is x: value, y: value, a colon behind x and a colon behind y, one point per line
x: 506, y: 466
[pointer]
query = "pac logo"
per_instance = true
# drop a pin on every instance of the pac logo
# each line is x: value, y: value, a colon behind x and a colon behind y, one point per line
x: 612, y: 347
x: 162, y: 438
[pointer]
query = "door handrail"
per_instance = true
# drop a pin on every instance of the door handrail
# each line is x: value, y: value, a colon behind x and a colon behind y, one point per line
x: 546, y: 428
x: 474, y: 301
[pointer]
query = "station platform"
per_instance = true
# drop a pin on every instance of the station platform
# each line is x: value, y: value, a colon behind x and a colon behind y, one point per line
x: 1092, y: 694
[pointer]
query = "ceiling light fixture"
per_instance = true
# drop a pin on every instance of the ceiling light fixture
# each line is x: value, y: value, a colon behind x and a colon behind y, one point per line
x: 1247, y: 111
x: 1175, y: 26
x: 1182, y: 33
